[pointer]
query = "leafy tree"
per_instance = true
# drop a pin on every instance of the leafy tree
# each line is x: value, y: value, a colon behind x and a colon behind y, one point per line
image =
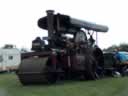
x: 121, y: 47
x: 111, y: 48
x: 8, y: 46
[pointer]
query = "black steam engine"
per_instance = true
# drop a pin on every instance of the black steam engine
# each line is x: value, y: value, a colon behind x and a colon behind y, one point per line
x: 69, y: 51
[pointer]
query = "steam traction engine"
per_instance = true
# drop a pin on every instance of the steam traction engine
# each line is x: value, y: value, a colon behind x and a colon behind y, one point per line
x: 64, y: 56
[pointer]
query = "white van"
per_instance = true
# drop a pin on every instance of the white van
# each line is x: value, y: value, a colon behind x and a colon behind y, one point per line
x: 10, y: 59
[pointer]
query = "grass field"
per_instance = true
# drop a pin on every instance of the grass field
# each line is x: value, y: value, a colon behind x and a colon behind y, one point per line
x: 10, y: 86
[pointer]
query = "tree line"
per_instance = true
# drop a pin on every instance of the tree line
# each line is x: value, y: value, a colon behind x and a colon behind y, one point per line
x: 121, y: 47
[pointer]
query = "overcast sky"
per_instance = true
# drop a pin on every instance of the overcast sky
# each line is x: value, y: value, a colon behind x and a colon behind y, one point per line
x: 18, y: 19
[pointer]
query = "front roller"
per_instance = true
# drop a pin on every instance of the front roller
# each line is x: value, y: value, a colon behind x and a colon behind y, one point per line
x: 33, y: 70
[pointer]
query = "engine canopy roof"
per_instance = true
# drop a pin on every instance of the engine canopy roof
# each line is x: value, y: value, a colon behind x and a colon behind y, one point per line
x: 69, y: 22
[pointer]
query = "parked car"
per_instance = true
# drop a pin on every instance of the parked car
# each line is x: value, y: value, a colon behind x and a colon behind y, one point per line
x: 116, y: 62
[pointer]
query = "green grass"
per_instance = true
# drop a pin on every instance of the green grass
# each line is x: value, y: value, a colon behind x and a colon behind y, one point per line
x: 10, y: 86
